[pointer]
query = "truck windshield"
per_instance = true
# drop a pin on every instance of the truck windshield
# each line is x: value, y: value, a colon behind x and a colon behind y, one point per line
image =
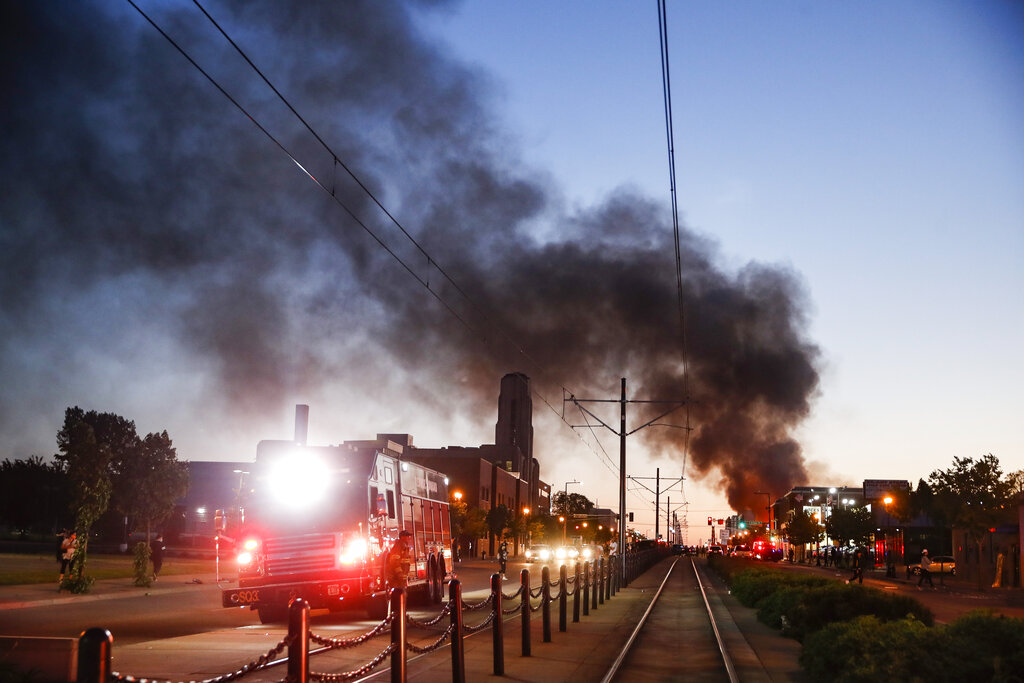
x: 328, y: 500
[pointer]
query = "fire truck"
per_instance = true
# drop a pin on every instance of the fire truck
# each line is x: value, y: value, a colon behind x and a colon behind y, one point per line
x: 320, y: 520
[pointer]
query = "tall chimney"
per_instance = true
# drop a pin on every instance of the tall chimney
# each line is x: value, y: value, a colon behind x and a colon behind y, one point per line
x: 301, y: 423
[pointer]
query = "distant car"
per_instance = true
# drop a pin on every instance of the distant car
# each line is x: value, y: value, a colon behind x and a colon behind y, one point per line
x: 589, y: 553
x: 941, y: 564
x: 678, y: 549
x: 567, y: 552
x: 741, y: 551
x: 539, y: 553
x: 715, y: 550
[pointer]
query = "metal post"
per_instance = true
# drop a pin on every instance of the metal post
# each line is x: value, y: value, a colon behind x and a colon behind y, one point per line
x: 95, y: 647
x: 545, y: 598
x: 586, y: 588
x: 497, y: 637
x: 458, y: 651
x: 298, y: 641
x: 562, y: 597
x: 577, y: 589
x: 524, y: 605
x: 622, y: 473
x: 398, y: 635
x: 599, y: 583
x: 595, y: 582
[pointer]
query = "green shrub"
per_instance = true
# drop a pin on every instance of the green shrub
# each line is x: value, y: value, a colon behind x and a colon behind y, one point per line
x: 987, y: 647
x: 753, y: 585
x: 867, y: 649
x: 140, y: 564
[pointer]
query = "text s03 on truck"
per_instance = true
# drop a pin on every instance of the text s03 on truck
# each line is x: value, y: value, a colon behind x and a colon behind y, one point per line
x: 320, y: 520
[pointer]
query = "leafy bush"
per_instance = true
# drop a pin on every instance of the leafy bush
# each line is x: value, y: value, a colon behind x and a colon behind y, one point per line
x: 987, y: 647
x: 868, y: 649
x: 754, y: 585
x: 814, y: 608
x: 140, y: 565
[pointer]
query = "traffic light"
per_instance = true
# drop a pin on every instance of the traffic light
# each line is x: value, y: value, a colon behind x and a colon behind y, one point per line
x: 631, y: 516
x: 743, y: 525
x: 721, y: 522
x: 710, y: 522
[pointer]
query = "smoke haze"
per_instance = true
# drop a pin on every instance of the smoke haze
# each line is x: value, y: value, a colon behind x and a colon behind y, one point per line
x: 159, y: 252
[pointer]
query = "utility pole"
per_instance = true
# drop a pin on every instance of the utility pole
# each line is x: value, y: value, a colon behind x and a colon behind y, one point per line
x: 657, y: 495
x: 622, y: 434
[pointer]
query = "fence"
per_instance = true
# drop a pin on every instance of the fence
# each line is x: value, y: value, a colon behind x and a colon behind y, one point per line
x: 591, y: 584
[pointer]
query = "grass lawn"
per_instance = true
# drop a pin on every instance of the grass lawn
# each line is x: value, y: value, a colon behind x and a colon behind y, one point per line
x: 17, y: 569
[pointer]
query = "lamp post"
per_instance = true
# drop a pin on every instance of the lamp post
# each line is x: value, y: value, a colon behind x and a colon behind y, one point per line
x: 529, y: 535
x: 890, y: 564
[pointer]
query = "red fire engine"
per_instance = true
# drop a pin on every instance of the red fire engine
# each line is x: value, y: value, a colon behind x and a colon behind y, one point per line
x: 320, y: 520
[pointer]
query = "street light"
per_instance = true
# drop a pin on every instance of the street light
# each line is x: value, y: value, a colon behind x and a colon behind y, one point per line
x: 890, y: 563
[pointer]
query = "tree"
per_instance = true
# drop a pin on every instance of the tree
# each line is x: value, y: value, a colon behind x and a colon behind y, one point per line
x: 850, y: 524
x: 33, y: 495
x: 974, y: 495
x: 802, y: 529
x: 497, y: 520
x: 571, y: 504
x: 147, y: 480
x: 87, y: 461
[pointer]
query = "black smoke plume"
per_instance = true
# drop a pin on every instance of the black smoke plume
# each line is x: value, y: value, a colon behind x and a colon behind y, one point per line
x: 139, y: 204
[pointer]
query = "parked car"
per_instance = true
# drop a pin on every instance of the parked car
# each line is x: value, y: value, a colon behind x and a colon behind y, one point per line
x: 941, y: 564
x: 539, y: 553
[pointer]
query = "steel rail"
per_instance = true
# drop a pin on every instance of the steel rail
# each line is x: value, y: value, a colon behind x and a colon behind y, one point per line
x: 614, y: 669
x: 729, y: 668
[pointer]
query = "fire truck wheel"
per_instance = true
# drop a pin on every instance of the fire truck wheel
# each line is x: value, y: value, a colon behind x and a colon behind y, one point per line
x: 272, y: 614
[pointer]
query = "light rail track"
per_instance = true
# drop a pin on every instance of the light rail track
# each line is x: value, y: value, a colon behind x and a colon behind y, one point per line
x: 678, y: 636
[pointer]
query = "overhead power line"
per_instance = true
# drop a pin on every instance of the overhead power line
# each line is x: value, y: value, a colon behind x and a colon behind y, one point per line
x: 480, y: 335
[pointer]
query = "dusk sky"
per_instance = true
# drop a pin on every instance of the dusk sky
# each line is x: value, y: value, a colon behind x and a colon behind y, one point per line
x: 850, y: 181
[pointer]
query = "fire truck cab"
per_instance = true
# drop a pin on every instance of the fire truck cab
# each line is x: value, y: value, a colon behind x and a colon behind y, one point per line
x: 320, y: 521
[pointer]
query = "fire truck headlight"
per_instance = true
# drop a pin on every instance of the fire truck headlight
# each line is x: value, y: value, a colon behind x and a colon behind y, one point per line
x: 244, y: 559
x: 250, y: 544
x: 354, y: 552
x: 299, y: 481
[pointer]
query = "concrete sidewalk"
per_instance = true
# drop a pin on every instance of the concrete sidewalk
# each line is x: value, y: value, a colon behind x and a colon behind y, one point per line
x: 42, y: 594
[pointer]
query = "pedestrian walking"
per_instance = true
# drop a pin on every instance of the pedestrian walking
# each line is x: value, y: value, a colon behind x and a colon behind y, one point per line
x: 860, y: 558
x: 156, y: 554
x: 926, y: 567
x: 66, y: 553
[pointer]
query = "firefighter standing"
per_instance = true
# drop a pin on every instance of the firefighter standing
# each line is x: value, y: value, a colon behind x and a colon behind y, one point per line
x: 398, y: 560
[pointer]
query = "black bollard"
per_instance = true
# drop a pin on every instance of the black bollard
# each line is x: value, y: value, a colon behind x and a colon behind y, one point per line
x: 524, y: 604
x: 577, y: 589
x: 458, y: 651
x: 545, y: 603
x: 398, y: 635
x: 599, y: 581
x: 298, y: 641
x: 586, y: 588
x: 498, y: 639
x: 562, y: 597
x: 95, y: 647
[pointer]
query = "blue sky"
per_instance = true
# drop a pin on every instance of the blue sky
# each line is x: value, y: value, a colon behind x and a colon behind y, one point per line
x: 850, y: 178
x: 877, y: 149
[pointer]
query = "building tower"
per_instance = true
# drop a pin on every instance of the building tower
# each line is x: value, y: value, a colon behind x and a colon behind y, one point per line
x: 515, y: 418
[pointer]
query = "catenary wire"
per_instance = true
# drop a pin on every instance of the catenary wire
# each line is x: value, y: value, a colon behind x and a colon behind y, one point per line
x: 344, y: 207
